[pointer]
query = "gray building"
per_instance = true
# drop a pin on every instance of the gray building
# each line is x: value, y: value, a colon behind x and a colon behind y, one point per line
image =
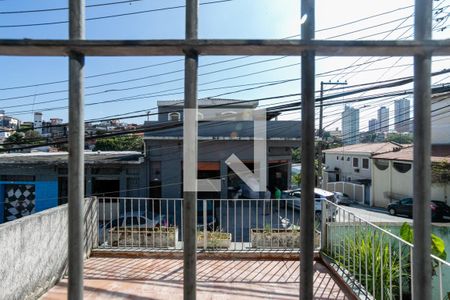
x: 217, y: 141
x: 373, y: 125
x: 350, y: 125
x: 383, y: 119
x: 402, y: 115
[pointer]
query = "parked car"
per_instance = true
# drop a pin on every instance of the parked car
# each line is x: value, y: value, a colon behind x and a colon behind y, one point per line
x: 292, y: 198
x: 130, y: 220
x: 439, y: 209
x: 342, y: 198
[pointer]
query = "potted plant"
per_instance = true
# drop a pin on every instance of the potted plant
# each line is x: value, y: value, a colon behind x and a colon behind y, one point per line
x: 156, y: 237
x: 214, y: 239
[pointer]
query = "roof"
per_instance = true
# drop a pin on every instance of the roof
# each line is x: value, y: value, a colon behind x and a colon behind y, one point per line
x: 212, y: 102
x: 438, y: 154
x: 370, y: 149
x: 227, y: 130
x: 61, y: 158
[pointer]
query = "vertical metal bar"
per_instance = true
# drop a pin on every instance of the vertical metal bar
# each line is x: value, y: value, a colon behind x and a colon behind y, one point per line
x: 308, y: 153
x: 190, y: 155
x: 422, y: 155
x: 76, y: 153
x: 441, y: 296
x: 205, y: 224
x: 242, y: 224
x: 111, y: 217
x: 146, y: 223
x: 400, y: 275
x: 323, y: 236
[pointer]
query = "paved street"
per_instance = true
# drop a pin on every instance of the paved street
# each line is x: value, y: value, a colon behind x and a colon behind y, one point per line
x: 374, y: 215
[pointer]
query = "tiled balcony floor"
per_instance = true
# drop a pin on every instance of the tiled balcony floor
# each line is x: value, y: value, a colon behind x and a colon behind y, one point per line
x: 151, y: 278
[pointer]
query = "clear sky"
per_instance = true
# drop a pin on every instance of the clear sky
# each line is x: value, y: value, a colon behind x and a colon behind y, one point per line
x: 237, y: 19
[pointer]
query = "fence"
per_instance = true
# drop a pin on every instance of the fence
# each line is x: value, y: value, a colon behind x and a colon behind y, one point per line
x: 353, y: 190
x: 222, y: 224
x: 374, y: 260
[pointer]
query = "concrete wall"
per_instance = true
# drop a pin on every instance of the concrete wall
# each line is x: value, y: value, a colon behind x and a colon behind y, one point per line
x: 33, y: 250
x: 346, y: 166
x: 390, y: 183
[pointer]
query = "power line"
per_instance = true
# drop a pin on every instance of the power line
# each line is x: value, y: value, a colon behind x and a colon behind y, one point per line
x: 64, y: 8
x: 110, y: 16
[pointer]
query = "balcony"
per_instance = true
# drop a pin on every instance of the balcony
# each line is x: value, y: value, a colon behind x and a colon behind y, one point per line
x: 247, y: 249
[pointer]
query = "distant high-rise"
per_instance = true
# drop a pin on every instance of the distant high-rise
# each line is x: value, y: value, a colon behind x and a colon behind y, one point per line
x: 350, y: 125
x: 383, y: 119
x: 402, y: 118
x: 373, y: 125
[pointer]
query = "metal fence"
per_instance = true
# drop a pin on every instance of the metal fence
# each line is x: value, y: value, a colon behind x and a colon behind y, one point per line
x: 374, y: 260
x: 222, y: 224
x: 355, y: 191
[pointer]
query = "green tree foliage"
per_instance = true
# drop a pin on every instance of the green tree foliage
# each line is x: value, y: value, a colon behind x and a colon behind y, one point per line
x: 19, y: 139
x: 401, y: 138
x: 120, y: 143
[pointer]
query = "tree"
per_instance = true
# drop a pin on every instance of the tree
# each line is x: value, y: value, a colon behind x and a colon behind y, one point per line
x: 296, y: 155
x: 401, y: 138
x: 120, y: 143
x: 20, y: 139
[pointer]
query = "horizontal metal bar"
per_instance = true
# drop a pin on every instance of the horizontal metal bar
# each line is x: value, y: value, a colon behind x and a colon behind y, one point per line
x: 27, y: 47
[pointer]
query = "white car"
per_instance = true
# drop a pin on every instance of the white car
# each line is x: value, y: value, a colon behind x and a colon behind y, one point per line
x: 292, y: 199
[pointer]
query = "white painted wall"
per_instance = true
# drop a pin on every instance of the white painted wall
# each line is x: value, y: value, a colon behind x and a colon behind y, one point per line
x: 346, y: 166
x: 393, y: 182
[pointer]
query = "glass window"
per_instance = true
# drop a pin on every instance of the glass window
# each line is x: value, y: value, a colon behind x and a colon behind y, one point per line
x: 365, y: 163
x: 381, y: 164
x: 402, y: 167
x: 355, y: 162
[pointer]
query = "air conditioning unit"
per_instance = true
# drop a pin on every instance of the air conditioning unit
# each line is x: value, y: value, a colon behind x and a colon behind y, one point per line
x: 356, y: 170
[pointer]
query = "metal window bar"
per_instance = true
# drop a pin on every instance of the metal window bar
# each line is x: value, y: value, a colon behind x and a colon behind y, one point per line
x: 422, y: 48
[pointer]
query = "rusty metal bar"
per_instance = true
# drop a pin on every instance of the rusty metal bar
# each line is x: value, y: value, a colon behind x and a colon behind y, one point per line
x: 422, y: 155
x: 308, y: 154
x: 221, y: 47
x: 76, y: 154
x: 190, y: 155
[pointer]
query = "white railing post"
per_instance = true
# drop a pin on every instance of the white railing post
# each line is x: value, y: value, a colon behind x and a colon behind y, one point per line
x: 205, y: 225
x: 323, y: 235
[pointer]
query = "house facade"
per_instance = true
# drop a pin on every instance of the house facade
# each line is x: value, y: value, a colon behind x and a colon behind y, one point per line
x: 392, y: 175
x: 32, y: 182
x: 353, y: 164
x: 217, y: 141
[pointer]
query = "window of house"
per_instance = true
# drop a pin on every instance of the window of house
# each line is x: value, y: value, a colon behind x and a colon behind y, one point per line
x: 174, y: 116
x: 355, y: 162
x: 402, y: 167
x: 365, y: 163
x: 348, y: 158
x: 337, y: 157
x: 381, y: 164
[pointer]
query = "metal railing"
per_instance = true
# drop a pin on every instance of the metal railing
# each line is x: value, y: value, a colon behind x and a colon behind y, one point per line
x: 222, y: 224
x: 374, y: 260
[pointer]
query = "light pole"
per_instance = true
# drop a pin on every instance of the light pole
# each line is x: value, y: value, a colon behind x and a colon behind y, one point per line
x: 319, y: 182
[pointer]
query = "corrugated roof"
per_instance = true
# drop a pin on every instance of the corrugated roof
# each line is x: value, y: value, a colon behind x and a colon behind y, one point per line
x: 438, y: 154
x: 61, y: 158
x: 372, y: 149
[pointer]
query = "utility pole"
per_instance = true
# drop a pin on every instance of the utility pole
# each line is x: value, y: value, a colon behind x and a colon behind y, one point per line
x: 319, y: 182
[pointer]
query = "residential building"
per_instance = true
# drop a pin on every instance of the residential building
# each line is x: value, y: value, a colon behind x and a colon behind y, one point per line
x: 32, y: 182
x: 383, y: 119
x: 38, y: 122
x: 8, y: 122
x: 350, y: 125
x: 353, y: 163
x: 217, y: 141
x: 402, y: 116
x: 392, y: 175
